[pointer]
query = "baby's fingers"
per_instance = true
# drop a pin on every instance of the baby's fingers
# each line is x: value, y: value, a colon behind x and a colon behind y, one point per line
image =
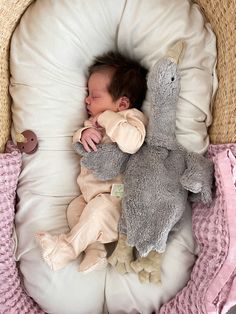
x: 86, y: 147
x: 91, y: 144
x: 95, y: 138
x: 97, y: 134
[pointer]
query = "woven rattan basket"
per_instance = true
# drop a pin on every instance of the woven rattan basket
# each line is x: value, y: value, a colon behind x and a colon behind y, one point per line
x: 220, y: 13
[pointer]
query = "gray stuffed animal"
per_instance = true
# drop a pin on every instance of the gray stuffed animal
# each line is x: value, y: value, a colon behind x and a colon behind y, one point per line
x: 157, y: 179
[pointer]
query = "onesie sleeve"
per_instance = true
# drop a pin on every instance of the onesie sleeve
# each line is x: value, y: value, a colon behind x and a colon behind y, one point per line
x: 78, y: 133
x: 126, y: 128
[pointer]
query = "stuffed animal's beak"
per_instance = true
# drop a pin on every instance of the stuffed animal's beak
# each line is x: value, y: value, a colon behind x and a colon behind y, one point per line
x: 175, y: 52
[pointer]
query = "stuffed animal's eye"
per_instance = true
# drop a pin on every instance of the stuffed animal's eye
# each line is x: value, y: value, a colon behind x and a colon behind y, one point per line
x: 173, y: 78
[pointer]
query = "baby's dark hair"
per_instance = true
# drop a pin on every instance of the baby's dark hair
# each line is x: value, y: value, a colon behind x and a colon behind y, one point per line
x: 128, y: 79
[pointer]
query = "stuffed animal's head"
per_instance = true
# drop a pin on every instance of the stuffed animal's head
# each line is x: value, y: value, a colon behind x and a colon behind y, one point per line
x: 164, y: 80
x: 164, y: 87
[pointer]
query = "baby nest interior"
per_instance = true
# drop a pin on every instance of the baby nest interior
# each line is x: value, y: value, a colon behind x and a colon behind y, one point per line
x: 50, y: 52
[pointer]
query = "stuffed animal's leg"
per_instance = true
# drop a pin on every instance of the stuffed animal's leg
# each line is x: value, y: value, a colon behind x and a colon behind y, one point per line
x: 122, y: 256
x: 148, y: 268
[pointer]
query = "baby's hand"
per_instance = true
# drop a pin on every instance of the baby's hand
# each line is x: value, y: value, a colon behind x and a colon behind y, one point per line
x: 90, y: 138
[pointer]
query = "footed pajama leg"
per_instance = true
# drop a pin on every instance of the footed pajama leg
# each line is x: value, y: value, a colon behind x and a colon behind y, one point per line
x: 98, y: 222
x: 95, y: 253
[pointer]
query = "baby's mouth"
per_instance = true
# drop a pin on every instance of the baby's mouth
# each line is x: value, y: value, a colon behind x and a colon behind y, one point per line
x: 89, y: 112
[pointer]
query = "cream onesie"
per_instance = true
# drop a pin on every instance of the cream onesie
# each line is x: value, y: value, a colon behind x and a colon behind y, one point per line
x: 93, y: 216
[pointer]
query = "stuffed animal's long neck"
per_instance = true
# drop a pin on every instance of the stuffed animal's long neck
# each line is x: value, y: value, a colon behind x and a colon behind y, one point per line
x: 162, y: 121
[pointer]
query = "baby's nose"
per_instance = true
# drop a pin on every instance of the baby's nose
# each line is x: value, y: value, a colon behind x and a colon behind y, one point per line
x: 87, y: 100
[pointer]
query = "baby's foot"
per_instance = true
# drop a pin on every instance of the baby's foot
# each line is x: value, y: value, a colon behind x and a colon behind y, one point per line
x: 86, y: 267
x: 56, y: 251
x: 94, y: 259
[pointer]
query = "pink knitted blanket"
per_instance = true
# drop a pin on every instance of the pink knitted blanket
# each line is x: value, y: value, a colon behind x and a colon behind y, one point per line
x: 13, y: 299
x: 212, y: 286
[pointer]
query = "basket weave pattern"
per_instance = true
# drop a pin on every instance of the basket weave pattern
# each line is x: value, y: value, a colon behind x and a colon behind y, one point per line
x: 10, y: 13
x: 221, y: 14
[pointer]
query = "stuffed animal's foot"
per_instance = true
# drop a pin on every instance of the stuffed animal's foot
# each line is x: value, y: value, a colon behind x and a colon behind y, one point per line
x: 122, y: 256
x: 56, y: 251
x: 148, y: 268
x: 94, y: 259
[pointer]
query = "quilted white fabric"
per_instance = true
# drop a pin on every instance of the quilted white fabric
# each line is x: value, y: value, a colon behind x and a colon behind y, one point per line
x: 50, y: 52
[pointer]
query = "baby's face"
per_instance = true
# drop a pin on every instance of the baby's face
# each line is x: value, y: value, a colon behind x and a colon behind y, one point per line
x: 99, y: 99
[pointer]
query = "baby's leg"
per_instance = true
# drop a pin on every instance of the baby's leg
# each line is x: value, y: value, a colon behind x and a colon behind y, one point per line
x: 105, y: 214
x: 74, y: 210
x: 98, y: 222
x: 56, y: 251
x: 95, y: 258
x: 95, y: 253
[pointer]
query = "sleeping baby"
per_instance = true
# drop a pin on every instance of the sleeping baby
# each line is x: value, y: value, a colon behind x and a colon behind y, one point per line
x: 116, y: 90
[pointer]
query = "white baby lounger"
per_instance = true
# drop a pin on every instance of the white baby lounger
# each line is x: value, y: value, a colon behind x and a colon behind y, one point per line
x: 51, y: 49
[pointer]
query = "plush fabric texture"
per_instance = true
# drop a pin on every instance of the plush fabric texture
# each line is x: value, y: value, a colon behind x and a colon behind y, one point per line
x: 13, y: 298
x: 51, y: 49
x: 158, y: 177
x: 212, y: 287
x: 112, y: 169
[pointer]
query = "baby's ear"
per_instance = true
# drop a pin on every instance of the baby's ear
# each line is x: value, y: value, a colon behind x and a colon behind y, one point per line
x: 123, y: 103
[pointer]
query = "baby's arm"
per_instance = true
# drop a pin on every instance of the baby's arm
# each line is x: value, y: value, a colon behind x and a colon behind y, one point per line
x: 126, y: 128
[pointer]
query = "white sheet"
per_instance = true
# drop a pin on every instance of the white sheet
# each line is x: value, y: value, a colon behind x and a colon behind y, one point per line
x: 50, y: 51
